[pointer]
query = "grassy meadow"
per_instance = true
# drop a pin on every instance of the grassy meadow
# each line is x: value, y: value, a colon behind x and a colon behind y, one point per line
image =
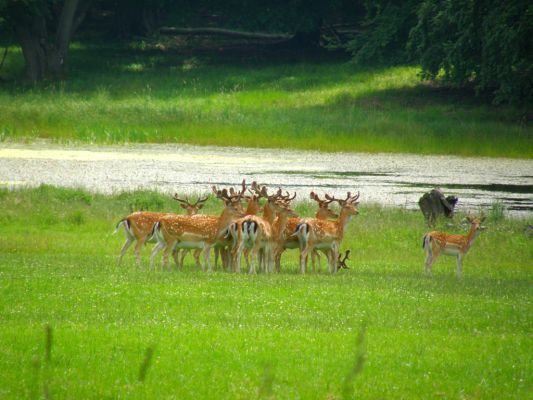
x: 134, y: 94
x: 378, y: 330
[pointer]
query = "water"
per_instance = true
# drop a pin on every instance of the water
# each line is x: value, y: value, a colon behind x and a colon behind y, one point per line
x: 388, y: 179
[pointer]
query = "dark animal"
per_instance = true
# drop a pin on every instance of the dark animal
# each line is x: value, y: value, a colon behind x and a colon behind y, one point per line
x: 434, y: 203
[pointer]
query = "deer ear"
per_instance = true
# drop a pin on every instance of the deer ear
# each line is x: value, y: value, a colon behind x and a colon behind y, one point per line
x: 200, y: 206
x: 183, y: 205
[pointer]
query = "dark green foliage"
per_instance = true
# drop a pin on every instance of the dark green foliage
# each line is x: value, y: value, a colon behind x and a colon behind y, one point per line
x: 486, y: 44
x: 385, y: 32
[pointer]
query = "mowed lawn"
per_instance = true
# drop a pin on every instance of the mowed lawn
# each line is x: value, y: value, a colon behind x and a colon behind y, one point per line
x: 222, y: 335
x: 117, y: 94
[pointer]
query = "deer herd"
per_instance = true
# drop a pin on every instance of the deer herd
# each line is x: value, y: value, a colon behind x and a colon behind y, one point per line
x: 261, y: 234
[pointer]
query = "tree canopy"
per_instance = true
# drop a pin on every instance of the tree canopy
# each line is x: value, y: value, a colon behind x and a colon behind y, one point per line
x: 485, y: 44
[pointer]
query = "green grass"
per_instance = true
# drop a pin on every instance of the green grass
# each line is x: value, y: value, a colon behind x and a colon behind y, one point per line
x: 286, y: 336
x: 118, y: 95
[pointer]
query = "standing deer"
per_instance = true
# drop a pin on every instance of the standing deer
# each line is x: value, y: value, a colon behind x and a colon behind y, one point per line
x: 326, y: 235
x: 199, y: 231
x: 255, y: 235
x: 138, y: 226
x: 290, y: 241
x: 179, y: 254
x: 436, y: 243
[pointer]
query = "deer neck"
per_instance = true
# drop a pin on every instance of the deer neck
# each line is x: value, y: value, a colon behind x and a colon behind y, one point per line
x: 225, y: 219
x: 281, y: 223
x: 342, y: 222
x: 253, y: 208
x: 321, y: 214
x: 470, y: 237
x: 268, y: 213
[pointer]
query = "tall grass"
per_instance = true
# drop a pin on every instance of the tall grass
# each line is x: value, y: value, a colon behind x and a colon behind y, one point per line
x: 125, y: 332
x: 117, y: 95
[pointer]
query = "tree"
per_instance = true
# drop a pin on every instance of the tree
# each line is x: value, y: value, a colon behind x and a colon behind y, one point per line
x: 384, y: 32
x: 484, y: 43
x: 44, y: 30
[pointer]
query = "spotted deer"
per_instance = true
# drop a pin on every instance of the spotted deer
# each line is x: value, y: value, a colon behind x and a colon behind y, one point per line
x: 255, y: 234
x: 198, y: 231
x: 290, y: 241
x: 138, y: 226
x: 326, y: 235
x: 436, y: 243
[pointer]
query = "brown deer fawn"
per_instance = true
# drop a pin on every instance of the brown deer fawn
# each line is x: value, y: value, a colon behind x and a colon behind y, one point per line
x: 436, y: 243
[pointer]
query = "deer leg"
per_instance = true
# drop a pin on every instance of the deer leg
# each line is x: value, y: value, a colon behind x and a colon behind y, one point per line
x: 207, y: 250
x: 459, y: 265
x: 236, y: 253
x: 178, y: 255
x: 168, y: 249
x: 183, y: 253
x: 155, y: 251
x: 334, y: 254
x: 196, y: 255
x: 125, y: 247
x: 303, y: 259
x: 217, y: 253
x: 138, y: 247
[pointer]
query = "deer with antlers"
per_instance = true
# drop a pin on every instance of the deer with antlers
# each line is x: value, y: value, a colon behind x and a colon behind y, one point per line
x: 256, y: 235
x: 436, y: 243
x: 326, y: 235
x: 138, y: 225
x: 197, y: 232
x: 179, y: 254
x: 290, y: 241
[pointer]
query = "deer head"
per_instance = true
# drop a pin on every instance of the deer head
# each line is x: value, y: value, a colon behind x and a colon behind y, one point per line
x: 347, y: 205
x: 323, y: 207
x: 191, y: 209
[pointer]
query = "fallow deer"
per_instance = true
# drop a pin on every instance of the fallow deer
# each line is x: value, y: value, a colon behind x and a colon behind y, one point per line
x: 197, y: 232
x: 255, y: 234
x: 138, y: 226
x: 326, y: 235
x: 436, y: 243
x: 291, y: 241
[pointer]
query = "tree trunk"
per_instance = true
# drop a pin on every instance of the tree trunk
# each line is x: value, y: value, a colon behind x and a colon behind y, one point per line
x: 45, y: 59
x: 31, y: 34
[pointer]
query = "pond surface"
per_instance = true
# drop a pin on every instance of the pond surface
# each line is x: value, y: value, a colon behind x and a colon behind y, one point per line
x: 388, y: 179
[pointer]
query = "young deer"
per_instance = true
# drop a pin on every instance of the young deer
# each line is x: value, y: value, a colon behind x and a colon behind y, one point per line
x: 326, y: 235
x: 436, y: 243
x: 138, y: 226
x: 291, y: 241
x: 198, y: 231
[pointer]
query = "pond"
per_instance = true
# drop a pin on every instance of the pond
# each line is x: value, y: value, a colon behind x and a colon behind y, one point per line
x: 388, y: 179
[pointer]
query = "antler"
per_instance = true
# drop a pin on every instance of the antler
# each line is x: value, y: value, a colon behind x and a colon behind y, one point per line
x: 286, y: 197
x: 353, y: 199
x: 342, y: 262
x: 321, y: 203
x: 182, y: 201
x: 200, y: 200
